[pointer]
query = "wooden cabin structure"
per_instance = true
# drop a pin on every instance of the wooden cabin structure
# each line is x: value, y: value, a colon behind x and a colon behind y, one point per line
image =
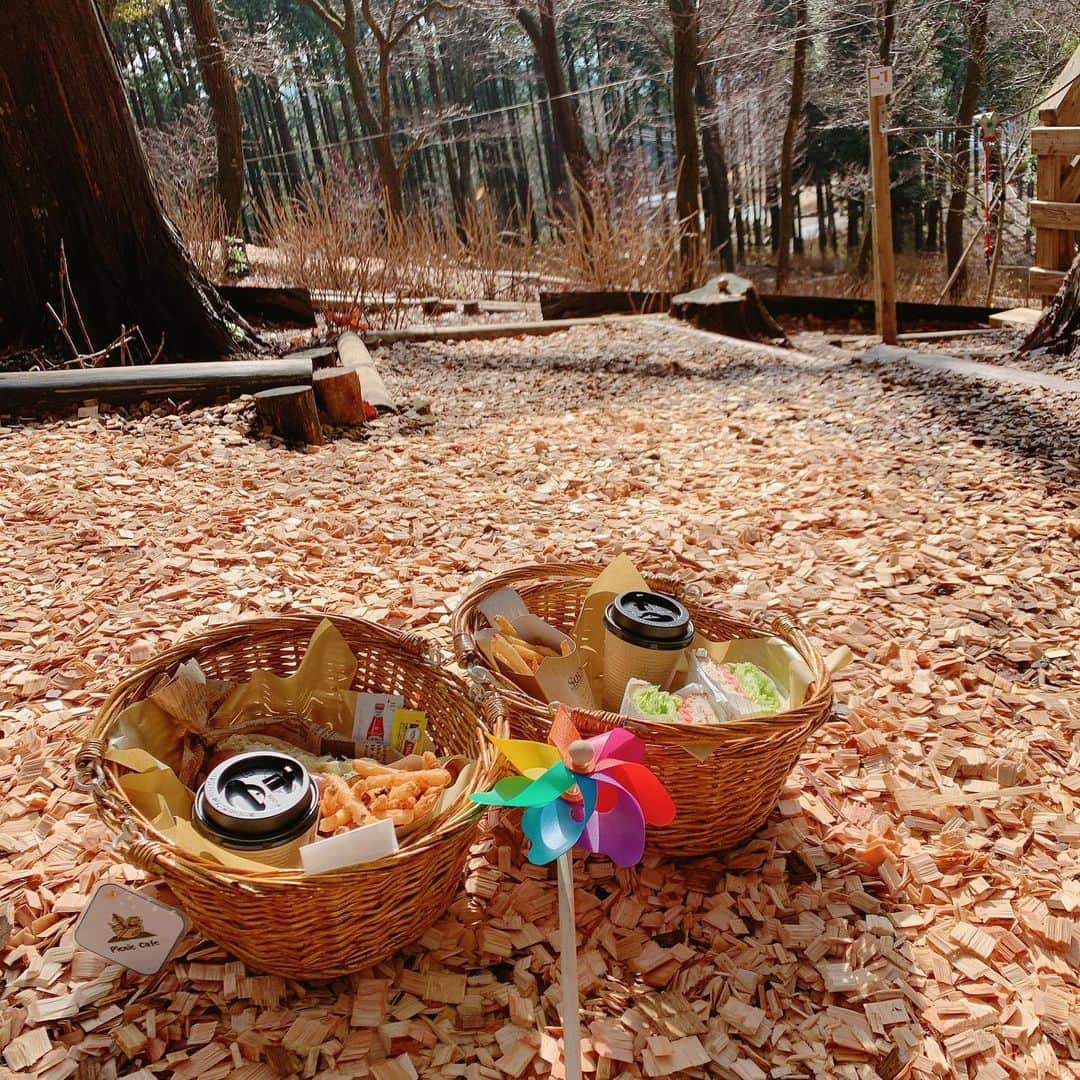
x: 1055, y: 210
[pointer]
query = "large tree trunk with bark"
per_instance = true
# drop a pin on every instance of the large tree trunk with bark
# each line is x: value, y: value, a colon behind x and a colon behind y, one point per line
x: 787, y: 147
x: 965, y: 115
x: 72, y: 170
x: 224, y: 107
x: 685, y: 56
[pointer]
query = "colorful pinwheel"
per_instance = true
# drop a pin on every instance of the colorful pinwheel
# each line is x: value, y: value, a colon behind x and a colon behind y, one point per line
x: 592, y: 792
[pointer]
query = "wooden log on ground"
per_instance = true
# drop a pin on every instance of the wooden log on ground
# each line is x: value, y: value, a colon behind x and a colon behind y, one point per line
x: 485, y: 331
x: 355, y: 357
x: 291, y: 412
x: 852, y: 312
x: 266, y: 306
x: 729, y: 305
x: 338, y: 395
x: 583, y: 303
x: 149, y: 382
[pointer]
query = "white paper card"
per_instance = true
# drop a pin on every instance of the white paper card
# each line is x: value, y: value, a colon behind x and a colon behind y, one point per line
x: 881, y: 81
x: 364, y: 844
x: 125, y: 927
x: 374, y: 716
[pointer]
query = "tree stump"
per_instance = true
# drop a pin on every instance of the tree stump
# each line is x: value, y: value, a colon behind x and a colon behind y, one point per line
x: 291, y: 412
x: 728, y: 305
x: 338, y: 394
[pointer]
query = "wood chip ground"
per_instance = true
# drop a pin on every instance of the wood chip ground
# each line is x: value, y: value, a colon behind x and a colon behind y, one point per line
x: 910, y: 909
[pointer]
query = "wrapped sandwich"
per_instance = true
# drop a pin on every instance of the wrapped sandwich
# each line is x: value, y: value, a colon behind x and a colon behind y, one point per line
x: 737, y: 691
x: 644, y: 701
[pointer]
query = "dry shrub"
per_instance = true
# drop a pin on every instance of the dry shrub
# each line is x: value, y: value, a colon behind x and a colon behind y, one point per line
x: 201, y: 219
x: 335, y: 238
x: 633, y: 242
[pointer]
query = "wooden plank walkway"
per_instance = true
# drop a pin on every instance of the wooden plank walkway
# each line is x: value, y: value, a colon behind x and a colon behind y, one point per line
x: 972, y: 369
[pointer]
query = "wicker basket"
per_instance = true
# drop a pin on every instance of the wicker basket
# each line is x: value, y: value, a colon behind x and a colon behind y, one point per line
x: 277, y: 920
x: 724, y: 794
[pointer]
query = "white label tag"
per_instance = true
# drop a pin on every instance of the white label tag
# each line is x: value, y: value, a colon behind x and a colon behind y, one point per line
x: 127, y: 928
x: 880, y: 81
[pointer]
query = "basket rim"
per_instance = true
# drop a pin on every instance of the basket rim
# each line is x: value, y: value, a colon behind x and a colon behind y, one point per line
x: 142, y: 844
x: 530, y: 577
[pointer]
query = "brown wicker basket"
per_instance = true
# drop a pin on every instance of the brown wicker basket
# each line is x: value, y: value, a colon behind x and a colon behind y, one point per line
x: 722, y: 798
x: 278, y: 920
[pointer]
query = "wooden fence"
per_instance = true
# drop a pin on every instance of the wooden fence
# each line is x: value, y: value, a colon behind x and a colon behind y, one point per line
x: 1055, y: 210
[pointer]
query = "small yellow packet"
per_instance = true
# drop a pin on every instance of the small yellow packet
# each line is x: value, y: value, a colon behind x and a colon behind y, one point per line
x: 408, y: 731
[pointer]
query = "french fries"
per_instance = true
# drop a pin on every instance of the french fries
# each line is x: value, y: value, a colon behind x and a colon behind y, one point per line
x: 517, y: 656
x: 404, y: 792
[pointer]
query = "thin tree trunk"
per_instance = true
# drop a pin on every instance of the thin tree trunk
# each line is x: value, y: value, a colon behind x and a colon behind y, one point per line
x: 149, y: 78
x: 712, y: 150
x: 285, y: 139
x: 978, y: 16
x: 224, y: 106
x: 787, y: 146
x: 685, y: 57
x: 309, y: 118
x: 64, y: 126
x: 543, y: 34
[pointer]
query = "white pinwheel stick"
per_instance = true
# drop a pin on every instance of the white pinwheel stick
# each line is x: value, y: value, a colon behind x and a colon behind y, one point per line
x: 580, y: 754
x: 568, y: 968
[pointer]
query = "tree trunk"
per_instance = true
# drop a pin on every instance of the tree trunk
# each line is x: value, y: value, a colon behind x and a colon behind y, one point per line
x: 961, y: 155
x: 568, y: 130
x: 72, y: 169
x: 224, y: 106
x: 281, y: 123
x: 1059, y: 328
x: 685, y: 56
x: 309, y: 118
x: 787, y: 147
x: 381, y: 147
x: 854, y: 212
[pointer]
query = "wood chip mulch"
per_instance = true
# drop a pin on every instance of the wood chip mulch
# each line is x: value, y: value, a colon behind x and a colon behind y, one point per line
x: 909, y: 910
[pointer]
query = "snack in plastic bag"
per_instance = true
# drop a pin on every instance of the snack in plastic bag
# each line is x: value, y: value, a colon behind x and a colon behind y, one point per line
x: 645, y: 701
x: 737, y: 691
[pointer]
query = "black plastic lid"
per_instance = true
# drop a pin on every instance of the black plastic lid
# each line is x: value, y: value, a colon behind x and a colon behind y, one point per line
x: 650, y: 620
x: 256, y: 794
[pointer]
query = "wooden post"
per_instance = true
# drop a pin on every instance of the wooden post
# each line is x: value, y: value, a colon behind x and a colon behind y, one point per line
x: 878, y: 86
x: 337, y: 391
x: 290, y: 411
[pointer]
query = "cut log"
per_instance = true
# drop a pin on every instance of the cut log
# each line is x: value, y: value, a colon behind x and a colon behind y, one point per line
x: 266, y: 306
x: 291, y: 412
x: 339, y: 396
x: 147, y: 382
x: 355, y: 356
x: 727, y: 305
x: 581, y: 304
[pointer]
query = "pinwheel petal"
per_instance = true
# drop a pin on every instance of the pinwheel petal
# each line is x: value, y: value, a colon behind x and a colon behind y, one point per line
x: 620, y: 833
x: 563, y: 731
x: 521, y: 791
x: 557, y: 827
x: 551, y: 830
x: 616, y: 745
x: 528, y: 757
x: 655, y: 802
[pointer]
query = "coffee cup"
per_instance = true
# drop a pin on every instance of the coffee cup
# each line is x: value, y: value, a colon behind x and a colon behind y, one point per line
x: 263, y: 805
x: 645, y: 633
